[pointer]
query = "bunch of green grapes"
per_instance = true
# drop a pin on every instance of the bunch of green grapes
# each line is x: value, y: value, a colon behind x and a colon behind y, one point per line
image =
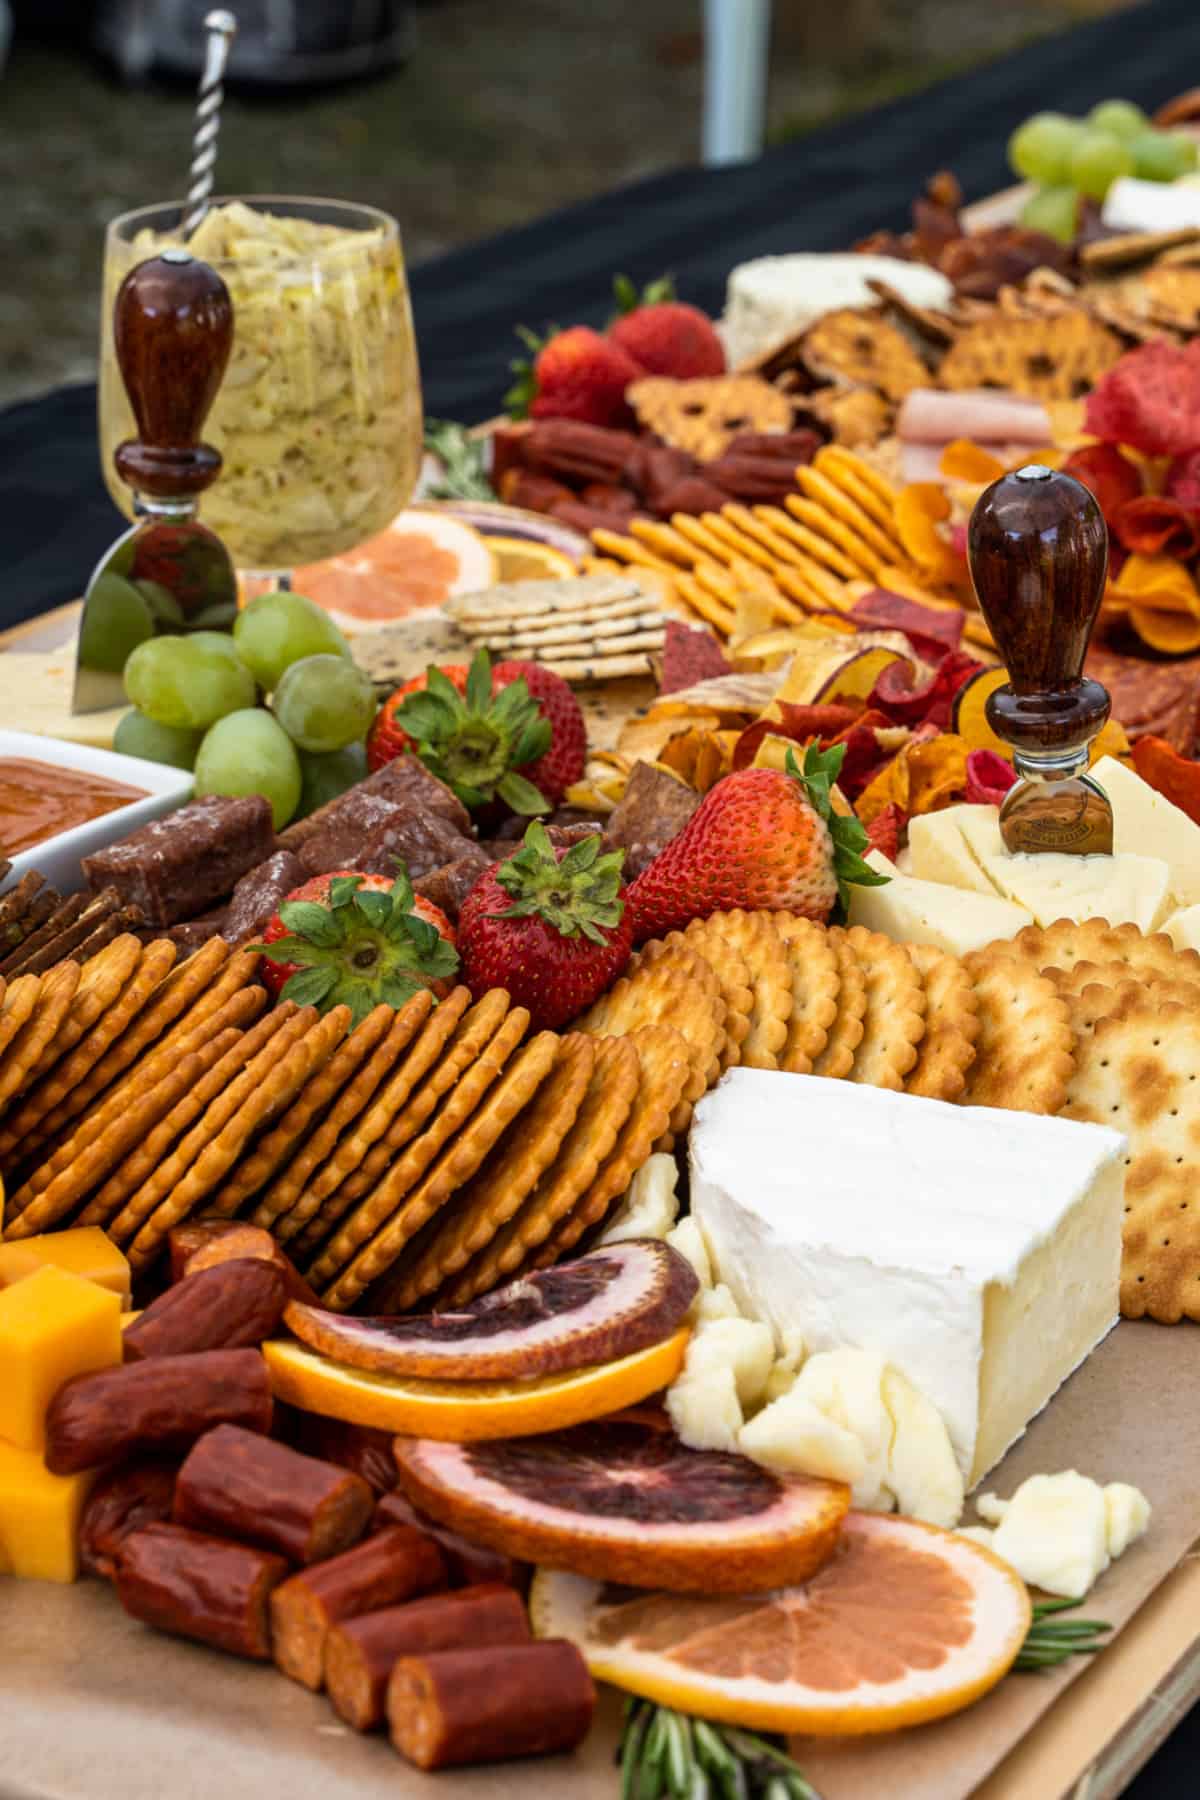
x: 1068, y: 158
x: 198, y: 705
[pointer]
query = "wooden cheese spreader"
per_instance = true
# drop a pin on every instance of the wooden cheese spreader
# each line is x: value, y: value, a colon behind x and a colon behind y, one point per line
x: 1038, y: 551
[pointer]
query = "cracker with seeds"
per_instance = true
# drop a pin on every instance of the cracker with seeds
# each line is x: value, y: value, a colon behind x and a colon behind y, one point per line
x: 508, y: 1174
x: 754, y: 938
x: 507, y: 1098
x: 615, y: 1077
x: 1139, y: 1072
x: 947, y: 1048
x: 816, y: 985
x: 836, y: 1060
x: 457, y: 1099
x: 894, y: 1015
x: 1025, y: 1051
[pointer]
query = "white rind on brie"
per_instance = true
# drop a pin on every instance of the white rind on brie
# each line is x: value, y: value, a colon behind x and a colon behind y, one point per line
x: 976, y: 1250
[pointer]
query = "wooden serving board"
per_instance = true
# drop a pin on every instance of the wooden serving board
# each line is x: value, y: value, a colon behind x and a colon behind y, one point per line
x: 96, y: 1707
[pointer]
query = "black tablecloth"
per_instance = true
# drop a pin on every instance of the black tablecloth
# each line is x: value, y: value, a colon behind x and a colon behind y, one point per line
x: 818, y: 193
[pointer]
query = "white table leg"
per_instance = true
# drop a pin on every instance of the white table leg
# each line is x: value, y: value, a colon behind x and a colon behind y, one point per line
x: 737, y: 37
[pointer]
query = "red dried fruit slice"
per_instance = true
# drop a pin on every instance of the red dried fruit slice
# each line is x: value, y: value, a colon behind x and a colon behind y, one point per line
x: 607, y: 1305
x: 623, y: 1500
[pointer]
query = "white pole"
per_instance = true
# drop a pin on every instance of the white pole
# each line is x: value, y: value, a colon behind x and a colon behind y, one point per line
x: 737, y: 36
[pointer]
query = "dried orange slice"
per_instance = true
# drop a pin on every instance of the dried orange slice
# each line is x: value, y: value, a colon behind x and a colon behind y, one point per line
x: 904, y: 1623
x: 525, y: 559
x: 461, y: 1412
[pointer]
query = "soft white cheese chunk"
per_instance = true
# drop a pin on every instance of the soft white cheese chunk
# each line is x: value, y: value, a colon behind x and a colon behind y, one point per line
x: 1183, y: 928
x: 939, y: 850
x: 724, y: 1376
x: 929, y: 912
x: 649, y: 1207
x: 976, y: 1250
x: 687, y: 1238
x: 1122, y: 889
x: 1146, y: 822
x: 1060, y: 1532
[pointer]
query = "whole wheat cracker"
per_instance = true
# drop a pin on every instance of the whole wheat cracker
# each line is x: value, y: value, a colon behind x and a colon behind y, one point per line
x: 947, y: 1048
x: 616, y: 1074
x: 1050, y: 359
x: 1025, y: 1051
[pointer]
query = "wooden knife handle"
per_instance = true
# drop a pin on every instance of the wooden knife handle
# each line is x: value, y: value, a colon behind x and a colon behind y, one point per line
x: 173, y: 330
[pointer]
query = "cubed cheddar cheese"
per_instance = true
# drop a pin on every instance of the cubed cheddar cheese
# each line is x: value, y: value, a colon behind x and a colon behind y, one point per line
x: 39, y: 1517
x: 53, y: 1325
x: 86, y: 1251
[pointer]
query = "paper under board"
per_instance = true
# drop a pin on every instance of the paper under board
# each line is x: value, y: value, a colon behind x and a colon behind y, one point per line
x: 96, y: 1707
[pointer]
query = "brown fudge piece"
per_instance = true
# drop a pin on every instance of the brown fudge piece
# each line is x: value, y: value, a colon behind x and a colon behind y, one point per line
x: 421, y: 841
x: 177, y: 866
x: 654, y: 808
x: 449, y: 886
x: 192, y: 933
x: 257, y: 895
x: 405, y: 783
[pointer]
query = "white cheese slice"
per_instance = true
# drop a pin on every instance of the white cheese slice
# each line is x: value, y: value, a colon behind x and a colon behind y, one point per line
x: 35, y: 695
x: 930, y: 912
x: 940, y: 850
x: 1183, y: 928
x: 1147, y: 823
x: 1121, y: 889
x: 976, y: 1250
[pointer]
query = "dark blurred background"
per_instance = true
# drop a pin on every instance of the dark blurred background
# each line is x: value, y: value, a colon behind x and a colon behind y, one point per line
x: 462, y: 117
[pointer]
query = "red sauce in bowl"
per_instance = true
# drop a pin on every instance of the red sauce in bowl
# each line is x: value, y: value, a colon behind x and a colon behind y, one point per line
x: 38, y: 800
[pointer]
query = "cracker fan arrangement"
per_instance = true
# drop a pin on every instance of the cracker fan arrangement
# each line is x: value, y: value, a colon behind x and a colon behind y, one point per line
x: 466, y: 1171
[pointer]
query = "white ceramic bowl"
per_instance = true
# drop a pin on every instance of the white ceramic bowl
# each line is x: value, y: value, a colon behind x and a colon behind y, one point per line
x: 58, y: 857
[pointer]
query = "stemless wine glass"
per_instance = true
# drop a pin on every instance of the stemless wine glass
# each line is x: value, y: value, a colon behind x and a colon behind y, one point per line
x: 319, y: 416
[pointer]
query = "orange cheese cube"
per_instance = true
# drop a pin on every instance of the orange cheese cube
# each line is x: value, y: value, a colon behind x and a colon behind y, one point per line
x: 39, y: 1516
x: 53, y: 1325
x: 86, y: 1251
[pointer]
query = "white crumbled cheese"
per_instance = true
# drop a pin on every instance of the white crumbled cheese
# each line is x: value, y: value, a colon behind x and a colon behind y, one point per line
x: 791, y: 1355
x: 650, y: 1205
x: 922, y: 1470
x: 687, y: 1238
x: 793, y: 1435
x: 878, y: 1221
x: 723, y: 1377
x: 1060, y: 1532
x: 977, y: 1534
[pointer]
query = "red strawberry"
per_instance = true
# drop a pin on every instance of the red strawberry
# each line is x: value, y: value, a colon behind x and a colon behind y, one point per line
x: 663, y: 335
x: 760, y: 838
x: 515, y: 732
x: 551, y: 926
x: 357, y: 939
x: 576, y: 374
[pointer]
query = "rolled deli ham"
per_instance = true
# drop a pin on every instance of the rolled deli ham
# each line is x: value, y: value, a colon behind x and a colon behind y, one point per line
x: 931, y: 416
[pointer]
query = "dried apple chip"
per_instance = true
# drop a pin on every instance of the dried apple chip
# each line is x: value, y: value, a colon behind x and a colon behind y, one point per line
x: 964, y: 460
x: 920, y: 509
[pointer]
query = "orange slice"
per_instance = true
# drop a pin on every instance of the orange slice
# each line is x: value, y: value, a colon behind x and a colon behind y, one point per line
x: 525, y: 559
x: 459, y: 1412
x: 423, y: 558
x: 904, y: 1623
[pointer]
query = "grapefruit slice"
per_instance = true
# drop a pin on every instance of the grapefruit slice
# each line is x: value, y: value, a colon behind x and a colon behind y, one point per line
x: 904, y: 1623
x: 422, y: 558
x: 623, y: 1500
x: 594, y: 1310
x: 460, y: 1412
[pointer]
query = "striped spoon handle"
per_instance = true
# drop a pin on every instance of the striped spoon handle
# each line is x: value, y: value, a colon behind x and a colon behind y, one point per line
x: 220, y: 27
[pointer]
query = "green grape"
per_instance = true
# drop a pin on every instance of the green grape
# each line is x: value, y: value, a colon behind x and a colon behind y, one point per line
x: 1163, y: 155
x: 1040, y: 149
x: 1119, y: 117
x: 1097, y: 160
x: 188, y: 681
x: 246, y: 752
x: 1053, y: 210
x: 328, y: 775
x: 137, y: 735
x: 324, y: 702
x: 278, y: 629
x: 116, y: 620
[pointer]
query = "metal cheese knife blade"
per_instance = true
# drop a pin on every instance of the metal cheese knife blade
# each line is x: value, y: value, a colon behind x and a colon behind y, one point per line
x: 173, y: 328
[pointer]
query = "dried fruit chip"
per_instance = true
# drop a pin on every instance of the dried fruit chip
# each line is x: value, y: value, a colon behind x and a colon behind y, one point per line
x: 1156, y: 525
x: 989, y: 777
x: 1177, y: 777
x: 1150, y: 400
x: 690, y: 654
x: 919, y: 511
x: 965, y: 461
x: 1170, y: 632
x: 933, y: 702
x: 922, y: 777
x: 932, y: 630
x: 1112, y: 478
x: 1159, y: 582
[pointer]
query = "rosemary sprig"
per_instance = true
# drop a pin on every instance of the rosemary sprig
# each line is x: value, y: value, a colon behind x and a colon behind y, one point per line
x: 665, y: 1755
x: 463, y: 459
x: 1051, y: 1641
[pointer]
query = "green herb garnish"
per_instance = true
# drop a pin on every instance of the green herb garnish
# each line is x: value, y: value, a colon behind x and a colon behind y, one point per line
x: 665, y: 1755
x: 1051, y: 1641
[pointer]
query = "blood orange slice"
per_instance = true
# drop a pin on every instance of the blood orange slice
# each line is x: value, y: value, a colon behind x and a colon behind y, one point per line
x: 623, y: 1500
x: 593, y: 1310
x: 422, y: 558
x: 904, y: 1623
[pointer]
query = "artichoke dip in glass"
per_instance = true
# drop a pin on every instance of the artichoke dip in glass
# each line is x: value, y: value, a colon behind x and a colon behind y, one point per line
x: 318, y: 419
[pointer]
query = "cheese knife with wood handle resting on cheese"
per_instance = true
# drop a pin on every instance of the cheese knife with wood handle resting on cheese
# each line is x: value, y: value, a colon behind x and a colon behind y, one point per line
x: 1038, y: 550
x: 173, y: 329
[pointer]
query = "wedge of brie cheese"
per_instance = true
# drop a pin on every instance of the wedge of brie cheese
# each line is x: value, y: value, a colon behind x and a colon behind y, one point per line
x: 976, y: 1250
x: 1146, y: 822
x: 930, y: 912
x: 1183, y: 928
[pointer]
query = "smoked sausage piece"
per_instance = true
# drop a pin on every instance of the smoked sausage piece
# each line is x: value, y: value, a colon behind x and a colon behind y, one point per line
x: 207, y: 1242
x: 482, y: 1706
x: 164, y: 1403
x: 393, y: 1565
x: 363, y: 1449
x: 200, y: 1587
x: 223, y: 1308
x: 247, y: 1486
x: 360, y: 1653
x: 122, y: 1501
x: 467, y: 1564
